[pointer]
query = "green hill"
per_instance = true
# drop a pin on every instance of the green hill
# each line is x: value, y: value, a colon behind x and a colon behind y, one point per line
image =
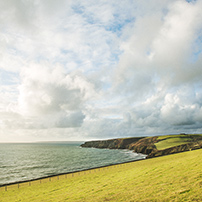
x: 176, y: 177
x: 152, y: 146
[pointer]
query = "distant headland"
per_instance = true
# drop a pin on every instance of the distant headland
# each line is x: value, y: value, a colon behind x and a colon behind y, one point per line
x: 152, y: 146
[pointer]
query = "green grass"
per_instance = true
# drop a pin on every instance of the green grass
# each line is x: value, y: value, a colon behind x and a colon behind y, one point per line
x: 173, y: 140
x: 176, y: 177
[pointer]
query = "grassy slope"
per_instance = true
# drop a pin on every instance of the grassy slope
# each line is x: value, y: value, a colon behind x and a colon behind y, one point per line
x: 173, y: 140
x: 176, y: 177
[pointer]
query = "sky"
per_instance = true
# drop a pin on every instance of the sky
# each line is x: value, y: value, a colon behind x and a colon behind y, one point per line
x: 85, y: 70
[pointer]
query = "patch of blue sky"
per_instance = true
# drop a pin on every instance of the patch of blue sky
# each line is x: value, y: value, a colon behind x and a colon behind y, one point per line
x: 89, y: 18
x: 81, y: 63
x: 196, y: 55
x: 116, y: 52
x: 190, y: 1
x: 65, y: 51
x: 197, y: 50
x: 68, y: 57
x: 78, y: 9
x: 65, y: 56
x: 115, y: 56
x: 118, y: 25
x: 106, y: 85
x: 16, y: 52
x: 8, y: 78
x: 148, y: 51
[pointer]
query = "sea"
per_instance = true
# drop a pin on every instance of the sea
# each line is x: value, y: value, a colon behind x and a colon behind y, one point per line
x: 28, y: 161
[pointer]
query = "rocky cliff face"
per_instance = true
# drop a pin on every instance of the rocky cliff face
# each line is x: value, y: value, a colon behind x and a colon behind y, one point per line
x: 121, y: 143
x: 138, y: 144
x: 145, y: 145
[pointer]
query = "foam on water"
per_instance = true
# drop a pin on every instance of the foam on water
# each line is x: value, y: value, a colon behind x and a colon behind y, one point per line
x: 26, y: 161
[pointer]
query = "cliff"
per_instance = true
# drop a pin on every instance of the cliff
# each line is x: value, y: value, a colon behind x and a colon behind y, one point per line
x: 121, y: 143
x: 152, y: 146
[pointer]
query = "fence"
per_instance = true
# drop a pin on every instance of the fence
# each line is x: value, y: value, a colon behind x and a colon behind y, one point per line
x: 52, y: 178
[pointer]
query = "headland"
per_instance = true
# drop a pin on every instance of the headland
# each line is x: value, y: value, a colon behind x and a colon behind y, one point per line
x: 152, y: 146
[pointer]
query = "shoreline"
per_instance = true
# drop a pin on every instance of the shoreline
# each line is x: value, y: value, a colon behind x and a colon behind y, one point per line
x: 167, y: 178
x: 122, y: 144
x: 83, y: 170
x: 66, y: 173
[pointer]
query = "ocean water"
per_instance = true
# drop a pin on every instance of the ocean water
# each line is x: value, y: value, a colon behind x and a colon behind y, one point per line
x: 26, y: 161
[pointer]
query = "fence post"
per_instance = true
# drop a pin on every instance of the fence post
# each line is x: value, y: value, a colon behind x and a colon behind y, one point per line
x: 18, y: 186
x: 5, y: 188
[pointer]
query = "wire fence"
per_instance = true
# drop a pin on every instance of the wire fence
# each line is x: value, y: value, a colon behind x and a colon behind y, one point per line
x: 18, y: 185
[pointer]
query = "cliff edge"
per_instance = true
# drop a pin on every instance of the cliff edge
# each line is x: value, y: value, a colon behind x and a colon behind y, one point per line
x: 152, y: 146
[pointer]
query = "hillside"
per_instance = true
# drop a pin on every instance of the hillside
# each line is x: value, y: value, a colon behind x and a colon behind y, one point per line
x: 176, y: 177
x: 152, y: 146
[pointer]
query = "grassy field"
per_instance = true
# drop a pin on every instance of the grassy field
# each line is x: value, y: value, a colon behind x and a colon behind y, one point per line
x: 174, y: 140
x: 176, y: 177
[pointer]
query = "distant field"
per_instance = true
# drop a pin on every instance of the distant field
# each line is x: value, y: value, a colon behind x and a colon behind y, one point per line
x: 173, y: 140
x: 176, y: 177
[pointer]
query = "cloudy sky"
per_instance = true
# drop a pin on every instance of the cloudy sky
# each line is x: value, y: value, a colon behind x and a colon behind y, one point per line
x: 82, y: 70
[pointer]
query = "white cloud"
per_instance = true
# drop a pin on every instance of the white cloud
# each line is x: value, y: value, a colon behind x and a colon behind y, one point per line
x: 52, y: 96
x: 99, y: 69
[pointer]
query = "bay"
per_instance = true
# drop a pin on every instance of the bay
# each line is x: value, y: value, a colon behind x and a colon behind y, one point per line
x: 26, y: 161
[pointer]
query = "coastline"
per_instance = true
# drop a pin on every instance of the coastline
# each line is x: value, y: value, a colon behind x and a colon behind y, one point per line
x: 167, y: 178
x: 67, y: 173
x: 126, y: 144
x: 153, y: 146
x: 80, y: 171
x: 27, y: 162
